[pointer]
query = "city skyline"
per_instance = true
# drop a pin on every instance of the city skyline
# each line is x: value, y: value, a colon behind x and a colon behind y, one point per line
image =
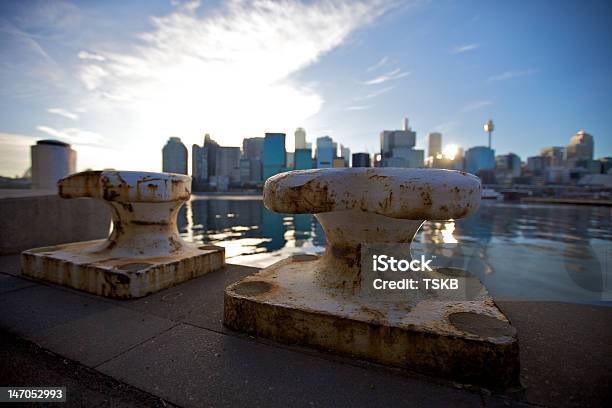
x: 113, y: 79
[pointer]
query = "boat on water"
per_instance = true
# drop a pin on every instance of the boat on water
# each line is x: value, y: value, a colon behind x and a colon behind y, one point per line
x: 490, y: 194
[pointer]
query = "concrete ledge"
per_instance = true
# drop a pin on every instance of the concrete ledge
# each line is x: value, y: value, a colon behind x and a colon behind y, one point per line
x: 30, y: 220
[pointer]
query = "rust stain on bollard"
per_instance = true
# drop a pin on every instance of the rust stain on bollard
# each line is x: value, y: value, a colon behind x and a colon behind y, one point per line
x: 319, y: 301
x: 144, y: 252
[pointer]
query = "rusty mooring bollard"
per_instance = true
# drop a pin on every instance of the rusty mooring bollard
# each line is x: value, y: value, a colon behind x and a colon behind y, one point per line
x: 143, y: 253
x: 319, y: 301
x: 364, y: 206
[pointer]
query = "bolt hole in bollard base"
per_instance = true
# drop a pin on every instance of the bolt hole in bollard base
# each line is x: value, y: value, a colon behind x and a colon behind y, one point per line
x: 143, y: 253
x: 321, y: 302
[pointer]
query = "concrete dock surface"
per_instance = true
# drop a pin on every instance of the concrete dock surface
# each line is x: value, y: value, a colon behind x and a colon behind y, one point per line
x: 171, y: 349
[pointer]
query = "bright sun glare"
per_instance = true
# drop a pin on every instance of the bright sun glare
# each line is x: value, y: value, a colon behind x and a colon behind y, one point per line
x: 450, y: 151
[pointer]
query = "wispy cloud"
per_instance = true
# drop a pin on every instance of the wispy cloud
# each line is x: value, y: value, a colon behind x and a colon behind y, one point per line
x: 379, y: 64
x: 476, y: 105
x: 73, y: 135
x: 358, y: 107
x: 374, y: 94
x: 85, y: 55
x: 389, y: 76
x: 63, y: 112
x: 189, y: 69
x: 512, y: 74
x: 464, y: 48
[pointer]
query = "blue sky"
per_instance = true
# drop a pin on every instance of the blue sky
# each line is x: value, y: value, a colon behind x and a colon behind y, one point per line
x: 116, y: 79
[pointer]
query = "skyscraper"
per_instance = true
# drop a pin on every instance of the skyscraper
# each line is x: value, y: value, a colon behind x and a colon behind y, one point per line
x: 361, y: 160
x: 580, y: 147
x: 211, y: 154
x: 555, y: 153
x: 199, y: 165
x: 434, y: 147
x: 174, y: 156
x: 252, y: 161
x: 325, y: 152
x: 252, y: 148
x: 303, y: 159
x: 479, y: 158
x: 274, y: 154
x: 227, y: 163
x: 345, y: 153
x: 300, y: 138
x: 397, y: 148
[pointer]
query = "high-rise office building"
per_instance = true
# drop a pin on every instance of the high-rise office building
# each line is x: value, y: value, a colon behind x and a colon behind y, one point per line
x: 199, y: 165
x: 339, y: 162
x: 211, y: 154
x: 434, y: 145
x: 555, y: 153
x: 290, y: 160
x: 228, y: 163
x: 397, y: 148
x: 274, y: 155
x: 580, y: 147
x: 345, y: 153
x: 479, y: 158
x: 51, y: 161
x: 326, y: 152
x: 252, y: 148
x: 303, y: 159
x: 507, y: 168
x: 252, y: 152
x: 174, y: 156
x: 361, y: 160
x: 300, y: 138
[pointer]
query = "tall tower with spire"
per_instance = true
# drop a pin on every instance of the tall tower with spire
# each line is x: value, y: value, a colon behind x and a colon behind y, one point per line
x: 489, y: 127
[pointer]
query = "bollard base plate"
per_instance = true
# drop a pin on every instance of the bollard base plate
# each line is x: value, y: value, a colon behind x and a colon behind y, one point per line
x: 81, y: 266
x: 470, y: 342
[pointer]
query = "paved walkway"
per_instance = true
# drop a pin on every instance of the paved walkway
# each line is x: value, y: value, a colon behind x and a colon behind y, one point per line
x: 172, y: 348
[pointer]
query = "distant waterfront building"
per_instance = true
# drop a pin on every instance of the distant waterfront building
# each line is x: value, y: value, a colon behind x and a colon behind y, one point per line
x: 51, y: 161
x: 509, y: 163
x: 274, y: 155
x: 397, y: 148
x: 210, y: 147
x: 606, y: 165
x: 557, y: 175
x: 251, y: 170
x: 507, y: 168
x: 252, y: 148
x: 537, y: 164
x: 326, y: 152
x: 580, y: 147
x: 228, y: 163
x: 174, y: 156
x: 434, y: 145
x: 290, y: 160
x: 555, y: 153
x: 199, y: 165
x: 339, y: 162
x: 303, y: 159
x: 245, y: 170
x: 479, y: 158
x: 300, y: 139
x: 345, y: 153
x: 361, y: 160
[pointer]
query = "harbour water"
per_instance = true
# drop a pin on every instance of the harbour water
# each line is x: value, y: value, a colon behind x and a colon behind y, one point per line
x: 521, y: 251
